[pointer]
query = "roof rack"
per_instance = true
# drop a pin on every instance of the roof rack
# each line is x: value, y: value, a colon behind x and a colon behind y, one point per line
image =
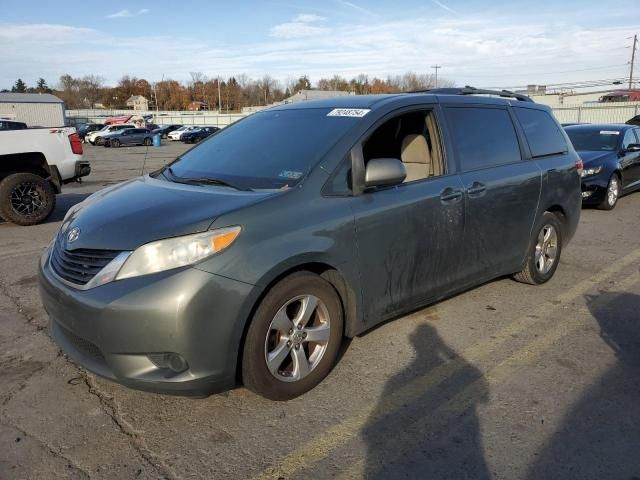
x: 467, y: 90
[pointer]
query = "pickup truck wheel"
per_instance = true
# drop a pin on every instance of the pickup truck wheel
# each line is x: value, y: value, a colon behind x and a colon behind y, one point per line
x: 293, y: 339
x: 26, y: 199
x: 544, y: 252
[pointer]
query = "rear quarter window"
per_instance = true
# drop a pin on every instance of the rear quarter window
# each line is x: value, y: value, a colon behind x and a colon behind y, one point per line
x: 542, y: 132
x: 482, y: 137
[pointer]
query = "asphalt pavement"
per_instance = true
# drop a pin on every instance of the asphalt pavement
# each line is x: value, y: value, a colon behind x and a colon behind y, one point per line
x: 505, y: 381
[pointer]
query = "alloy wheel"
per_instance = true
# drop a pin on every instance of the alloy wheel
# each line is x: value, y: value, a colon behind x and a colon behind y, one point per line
x: 613, y: 191
x: 546, y: 249
x: 27, y: 198
x: 297, y: 338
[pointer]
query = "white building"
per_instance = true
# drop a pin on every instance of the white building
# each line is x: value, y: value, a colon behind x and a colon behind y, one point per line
x: 34, y: 109
x: 138, y: 102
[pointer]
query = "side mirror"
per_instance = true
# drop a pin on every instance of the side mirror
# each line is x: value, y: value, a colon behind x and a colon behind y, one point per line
x: 633, y: 147
x: 384, y: 171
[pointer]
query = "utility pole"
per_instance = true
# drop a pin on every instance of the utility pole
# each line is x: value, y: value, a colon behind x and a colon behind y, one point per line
x: 633, y: 58
x: 436, y: 67
x: 219, y: 97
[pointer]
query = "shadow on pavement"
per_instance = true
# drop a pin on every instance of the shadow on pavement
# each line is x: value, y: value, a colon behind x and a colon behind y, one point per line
x: 600, y: 436
x: 64, y: 202
x: 417, y: 439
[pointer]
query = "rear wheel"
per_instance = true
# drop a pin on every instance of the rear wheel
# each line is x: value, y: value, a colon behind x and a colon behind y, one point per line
x: 544, y: 252
x: 26, y: 199
x: 612, y: 194
x: 147, y: 142
x: 294, y: 337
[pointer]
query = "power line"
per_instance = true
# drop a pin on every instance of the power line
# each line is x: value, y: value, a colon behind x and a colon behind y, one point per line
x: 605, y: 67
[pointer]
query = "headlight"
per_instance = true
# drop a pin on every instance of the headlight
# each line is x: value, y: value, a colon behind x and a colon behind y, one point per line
x: 177, y: 252
x: 591, y: 171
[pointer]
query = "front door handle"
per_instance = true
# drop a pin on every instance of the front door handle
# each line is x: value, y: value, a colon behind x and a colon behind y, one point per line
x: 450, y: 194
x: 477, y: 188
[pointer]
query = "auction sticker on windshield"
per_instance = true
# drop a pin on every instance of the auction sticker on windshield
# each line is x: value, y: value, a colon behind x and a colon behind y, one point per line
x: 609, y: 132
x: 348, y: 112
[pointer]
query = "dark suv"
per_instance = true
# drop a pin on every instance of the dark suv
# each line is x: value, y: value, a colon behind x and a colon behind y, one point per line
x: 252, y: 255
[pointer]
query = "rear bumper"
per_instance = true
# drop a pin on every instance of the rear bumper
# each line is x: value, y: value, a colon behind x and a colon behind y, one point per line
x: 111, y: 330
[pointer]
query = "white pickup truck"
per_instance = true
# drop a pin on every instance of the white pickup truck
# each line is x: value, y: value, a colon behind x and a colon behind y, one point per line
x: 34, y: 164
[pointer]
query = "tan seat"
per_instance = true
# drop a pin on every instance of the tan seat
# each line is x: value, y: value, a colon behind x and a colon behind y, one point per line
x: 415, y: 156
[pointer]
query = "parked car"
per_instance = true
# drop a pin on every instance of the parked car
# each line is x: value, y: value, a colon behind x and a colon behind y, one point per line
x: 177, y: 134
x: 253, y: 254
x: 611, y: 156
x: 87, y: 128
x: 194, y: 136
x: 128, y: 136
x: 11, y: 125
x: 165, y: 130
x: 34, y: 164
x: 634, y: 121
x: 95, y: 138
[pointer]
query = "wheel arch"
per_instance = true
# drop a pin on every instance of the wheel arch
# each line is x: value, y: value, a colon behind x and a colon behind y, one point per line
x: 346, y: 295
x: 30, y: 162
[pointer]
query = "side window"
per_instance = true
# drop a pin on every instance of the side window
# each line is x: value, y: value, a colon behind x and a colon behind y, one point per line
x: 629, y: 138
x: 340, y: 181
x: 412, y: 138
x: 482, y: 137
x: 543, y: 135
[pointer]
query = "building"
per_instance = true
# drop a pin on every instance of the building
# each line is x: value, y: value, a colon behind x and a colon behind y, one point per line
x: 34, y: 109
x: 138, y: 102
x: 304, y: 95
x: 197, y: 107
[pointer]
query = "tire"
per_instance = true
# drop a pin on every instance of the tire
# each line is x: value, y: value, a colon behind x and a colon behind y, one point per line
x: 612, y: 194
x: 543, y: 251
x: 147, y: 142
x: 115, y: 143
x: 164, y: 136
x: 26, y: 199
x: 272, y: 330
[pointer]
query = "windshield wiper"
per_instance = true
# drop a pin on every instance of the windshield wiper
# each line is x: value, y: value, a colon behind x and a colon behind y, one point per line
x: 204, y: 181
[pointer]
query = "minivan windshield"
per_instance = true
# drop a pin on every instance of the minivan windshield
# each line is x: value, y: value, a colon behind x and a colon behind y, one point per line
x: 597, y: 139
x: 267, y: 150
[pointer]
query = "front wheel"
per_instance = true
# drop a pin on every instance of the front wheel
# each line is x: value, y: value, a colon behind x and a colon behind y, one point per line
x: 115, y: 143
x: 26, y: 199
x: 147, y: 142
x: 294, y: 337
x: 544, y: 252
x: 610, y: 199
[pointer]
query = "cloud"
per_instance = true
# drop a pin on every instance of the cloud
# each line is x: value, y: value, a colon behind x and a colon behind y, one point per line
x: 126, y: 13
x: 485, y: 50
x: 444, y: 7
x: 304, y: 25
x: 357, y: 7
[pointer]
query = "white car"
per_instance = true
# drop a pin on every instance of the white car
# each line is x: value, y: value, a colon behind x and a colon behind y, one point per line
x: 93, y: 137
x: 176, y: 134
x: 36, y: 162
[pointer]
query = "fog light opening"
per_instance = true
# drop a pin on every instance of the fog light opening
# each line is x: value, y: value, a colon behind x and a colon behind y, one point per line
x: 170, y: 360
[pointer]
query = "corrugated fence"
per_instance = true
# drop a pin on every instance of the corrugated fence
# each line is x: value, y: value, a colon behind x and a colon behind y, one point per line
x: 585, y: 113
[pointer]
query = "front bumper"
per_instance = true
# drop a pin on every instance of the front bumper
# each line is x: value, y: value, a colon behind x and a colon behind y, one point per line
x: 594, y: 188
x: 111, y: 329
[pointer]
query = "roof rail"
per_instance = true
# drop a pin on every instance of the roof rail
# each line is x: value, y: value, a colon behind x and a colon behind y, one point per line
x: 467, y: 90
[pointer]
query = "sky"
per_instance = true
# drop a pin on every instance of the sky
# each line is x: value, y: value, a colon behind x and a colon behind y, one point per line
x: 497, y: 43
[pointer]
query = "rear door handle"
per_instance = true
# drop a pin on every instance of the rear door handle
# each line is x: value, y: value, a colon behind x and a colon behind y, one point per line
x: 450, y: 194
x: 477, y: 188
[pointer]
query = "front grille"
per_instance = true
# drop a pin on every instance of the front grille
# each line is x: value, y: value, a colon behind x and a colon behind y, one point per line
x: 81, y: 265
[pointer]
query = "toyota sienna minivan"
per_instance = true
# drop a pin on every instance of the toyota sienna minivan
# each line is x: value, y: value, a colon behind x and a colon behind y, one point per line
x: 250, y: 257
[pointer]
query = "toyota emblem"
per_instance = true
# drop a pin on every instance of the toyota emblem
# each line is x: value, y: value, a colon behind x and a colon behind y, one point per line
x: 73, y: 235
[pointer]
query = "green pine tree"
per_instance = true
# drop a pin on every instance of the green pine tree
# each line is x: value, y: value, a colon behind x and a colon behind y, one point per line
x: 19, y: 87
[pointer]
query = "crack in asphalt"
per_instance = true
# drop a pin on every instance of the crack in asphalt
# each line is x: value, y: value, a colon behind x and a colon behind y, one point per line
x: 112, y: 409
x: 50, y: 448
x: 108, y: 404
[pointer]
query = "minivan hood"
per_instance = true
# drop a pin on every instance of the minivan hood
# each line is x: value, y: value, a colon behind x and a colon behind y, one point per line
x: 589, y: 157
x: 145, y: 209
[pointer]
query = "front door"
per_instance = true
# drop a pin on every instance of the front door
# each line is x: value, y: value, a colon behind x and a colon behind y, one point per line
x: 409, y: 236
